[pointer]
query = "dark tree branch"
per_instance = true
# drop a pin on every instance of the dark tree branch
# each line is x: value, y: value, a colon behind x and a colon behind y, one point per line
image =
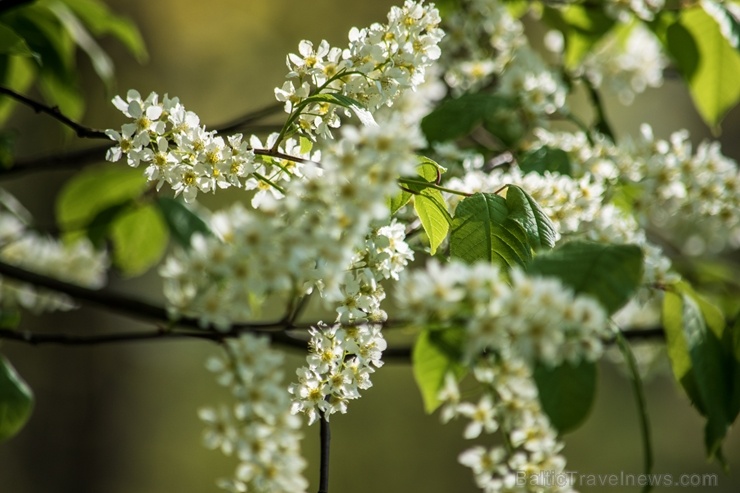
x: 325, y: 438
x: 277, y: 330
x: 81, y: 130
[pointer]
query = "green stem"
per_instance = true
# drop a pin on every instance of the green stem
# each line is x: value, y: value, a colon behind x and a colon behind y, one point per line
x: 426, y: 184
x: 639, y: 392
x: 270, y: 182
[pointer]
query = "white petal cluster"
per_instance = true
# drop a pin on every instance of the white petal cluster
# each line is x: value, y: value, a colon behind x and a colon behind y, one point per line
x: 287, y: 247
x: 77, y: 263
x: 690, y: 196
x: 481, y: 40
x: 177, y: 150
x: 384, y: 256
x: 533, y: 319
x: 340, y: 361
x: 509, y: 404
x: 626, y: 65
x: 380, y: 62
x: 257, y: 427
x: 342, y: 356
x: 537, y: 89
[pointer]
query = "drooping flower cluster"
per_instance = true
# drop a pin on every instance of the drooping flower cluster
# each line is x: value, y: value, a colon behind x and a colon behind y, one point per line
x: 340, y: 361
x: 77, y: 263
x: 384, y: 256
x: 509, y: 404
x: 258, y: 426
x: 342, y: 357
x: 533, y: 318
x: 289, y: 246
x: 508, y: 328
x: 177, y: 150
x: 380, y: 62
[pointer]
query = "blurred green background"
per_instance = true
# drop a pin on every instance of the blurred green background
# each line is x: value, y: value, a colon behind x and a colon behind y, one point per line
x: 122, y: 418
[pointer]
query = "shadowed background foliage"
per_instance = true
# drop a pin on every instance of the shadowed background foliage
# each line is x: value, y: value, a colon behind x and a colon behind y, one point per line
x: 122, y: 418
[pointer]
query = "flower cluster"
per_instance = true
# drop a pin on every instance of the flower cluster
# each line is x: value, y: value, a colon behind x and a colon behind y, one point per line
x: 289, y: 246
x: 340, y: 361
x: 509, y: 327
x: 626, y: 65
x: 481, y: 40
x: 384, y: 256
x: 380, y: 62
x: 76, y: 262
x: 343, y: 356
x: 509, y: 404
x: 532, y: 318
x: 177, y: 150
x: 258, y: 427
x: 692, y: 197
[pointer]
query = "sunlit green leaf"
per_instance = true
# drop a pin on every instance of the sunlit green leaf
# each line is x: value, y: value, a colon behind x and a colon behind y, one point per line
x: 701, y: 364
x: 483, y: 230
x: 16, y: 400
x: 95, y: 189
x: 707, y: 61
x: 566, y: 393
x: 609, y: 273
x: 431, y: 208
x: 435, y: 354
x: 582, y: 28
x: 139, y: 240
x: 101, y: 21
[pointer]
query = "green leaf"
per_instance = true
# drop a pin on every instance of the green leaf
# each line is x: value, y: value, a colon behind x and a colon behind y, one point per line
x: 100, y: 226
x: 95, y: 189
x: 398, y: 201
x: 16, y: 401
x: 707, y: 61
x: 435, y: 354
x: 181, y: 220
x: 582, y: 28
x: 567, y: 393
x: 340, y: 100
x: 431, y: 208
x: 700, y: 363
x: 546, y: 158
x: 455, y: 118
x: 101, y: 62
x: 13, y: 44
x: 9, y: 318
x: 139, y: 240
x: 483, y: 230
x: 609, y: 273
x: 728, y: 24
x: 429, y: 203
x: 529, y: 215
x: 100, y: 20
